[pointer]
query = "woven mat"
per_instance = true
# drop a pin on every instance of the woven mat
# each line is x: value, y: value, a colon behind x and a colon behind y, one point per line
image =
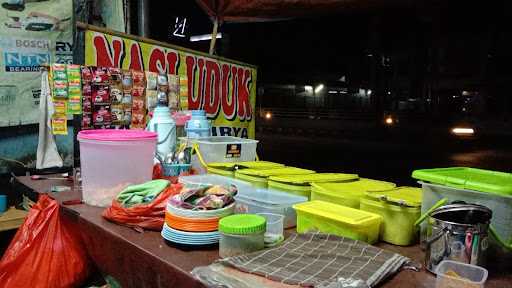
x: 321, y: 260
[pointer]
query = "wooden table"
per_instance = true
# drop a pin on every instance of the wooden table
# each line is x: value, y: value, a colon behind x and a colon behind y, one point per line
x: 12, y: 219
x: 146, y: 260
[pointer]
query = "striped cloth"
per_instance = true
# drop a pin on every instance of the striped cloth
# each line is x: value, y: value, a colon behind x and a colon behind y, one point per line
x: 321, y: 260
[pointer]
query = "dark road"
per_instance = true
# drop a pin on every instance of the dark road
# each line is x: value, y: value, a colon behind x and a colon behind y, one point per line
x: 392, y: 160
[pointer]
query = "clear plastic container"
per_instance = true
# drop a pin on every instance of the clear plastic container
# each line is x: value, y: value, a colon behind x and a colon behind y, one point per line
x: 226, y: 149
x: 275, y: 229
x: 451, y: 274
x: 234, y: 245
x: 501, y: 205
x: 241, y: 234
x: 111, y: 160
x: 269, y: 201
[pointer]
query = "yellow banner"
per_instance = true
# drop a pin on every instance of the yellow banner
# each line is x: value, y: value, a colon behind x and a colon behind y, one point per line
x: 225, y: 89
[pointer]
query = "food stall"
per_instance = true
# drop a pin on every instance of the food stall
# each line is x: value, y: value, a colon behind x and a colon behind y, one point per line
x: 147, y: 207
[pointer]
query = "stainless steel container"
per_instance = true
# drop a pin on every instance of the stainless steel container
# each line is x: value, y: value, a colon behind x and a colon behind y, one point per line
x: 457, y: 232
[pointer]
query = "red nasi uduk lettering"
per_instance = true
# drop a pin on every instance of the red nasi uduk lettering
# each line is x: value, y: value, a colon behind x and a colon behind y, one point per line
x: 211, y: 91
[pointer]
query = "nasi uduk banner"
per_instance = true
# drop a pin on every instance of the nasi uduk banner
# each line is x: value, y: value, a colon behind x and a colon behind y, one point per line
x: 31, y: 33
x: 225, y: 89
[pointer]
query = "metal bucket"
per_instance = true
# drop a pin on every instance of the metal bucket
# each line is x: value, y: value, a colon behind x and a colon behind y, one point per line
x: 457, y: 232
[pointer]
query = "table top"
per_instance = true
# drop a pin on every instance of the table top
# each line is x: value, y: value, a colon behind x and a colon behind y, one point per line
x: 184, y: 260
x: 12, y: 219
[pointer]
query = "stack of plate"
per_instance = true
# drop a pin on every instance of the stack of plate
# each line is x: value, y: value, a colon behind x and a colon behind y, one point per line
x: 193, y: 227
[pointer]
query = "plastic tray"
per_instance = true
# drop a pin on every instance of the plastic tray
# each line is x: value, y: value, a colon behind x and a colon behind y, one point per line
x: 269, y: 201
x: 339, y: 220
x: 348, y: 193
x: 468, y: 178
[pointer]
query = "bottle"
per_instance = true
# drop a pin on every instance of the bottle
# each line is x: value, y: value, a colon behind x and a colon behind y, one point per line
x: 198, y: 125
x: 163, y: 124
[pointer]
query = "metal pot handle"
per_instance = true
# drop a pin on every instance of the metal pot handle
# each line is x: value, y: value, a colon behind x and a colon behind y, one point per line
x: 429, y: 211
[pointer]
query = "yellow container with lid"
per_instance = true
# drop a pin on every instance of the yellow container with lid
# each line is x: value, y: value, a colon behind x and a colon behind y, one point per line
x: 338, y: 220
x: 301, y: 184
x: 347, y: 193
x: 259, y: 178
x: 229, y: 169
x: 399, y: 208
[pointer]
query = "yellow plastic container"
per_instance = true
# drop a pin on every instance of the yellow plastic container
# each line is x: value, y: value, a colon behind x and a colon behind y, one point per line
x: 301, y: 184
x: 338, y: 220
x: 347, y: 193
x: 259, y: 178
x: 399, y: 208
x: 228, y: 169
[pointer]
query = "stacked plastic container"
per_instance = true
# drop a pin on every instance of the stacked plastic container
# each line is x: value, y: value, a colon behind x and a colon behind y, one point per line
x: 347, y: 193
x: 301, y: 184
x: 228, y: 169
x: 259, y: 177
x: 399, y: 209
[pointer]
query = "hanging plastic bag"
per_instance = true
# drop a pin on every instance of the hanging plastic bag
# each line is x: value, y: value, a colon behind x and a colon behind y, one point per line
x: 45, y: 252
x: 150, y: 216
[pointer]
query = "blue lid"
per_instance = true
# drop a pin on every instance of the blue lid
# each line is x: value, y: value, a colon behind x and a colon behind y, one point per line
x: 198, y: 113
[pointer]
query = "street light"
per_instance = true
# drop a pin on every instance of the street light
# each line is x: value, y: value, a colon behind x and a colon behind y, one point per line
x: 319, y: 88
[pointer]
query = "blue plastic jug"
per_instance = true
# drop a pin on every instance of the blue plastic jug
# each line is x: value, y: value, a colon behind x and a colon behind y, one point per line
x: 198, y: 125
x: 163, y: 124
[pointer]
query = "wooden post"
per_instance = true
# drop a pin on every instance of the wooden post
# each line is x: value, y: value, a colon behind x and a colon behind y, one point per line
x: 214, y: 35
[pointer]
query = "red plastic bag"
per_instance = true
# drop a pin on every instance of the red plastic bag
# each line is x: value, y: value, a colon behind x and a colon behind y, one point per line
x: 45, y: 252
x: 149, y: 216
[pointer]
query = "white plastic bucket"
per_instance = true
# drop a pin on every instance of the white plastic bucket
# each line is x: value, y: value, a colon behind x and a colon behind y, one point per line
x: 113, y: 159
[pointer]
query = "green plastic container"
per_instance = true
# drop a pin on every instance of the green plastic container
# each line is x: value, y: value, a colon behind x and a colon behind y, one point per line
x: 338, y: 220
x: 399, y: 208
x: 468, y: 178
x: 259, y: 178
x: 301, y: 184
x: 347, y: 193
x: 241, y: 234
x: 229, y: 169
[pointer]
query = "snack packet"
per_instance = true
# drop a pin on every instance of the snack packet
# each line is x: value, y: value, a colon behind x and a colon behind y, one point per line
x: 59, y: 125
x: 100, y: 94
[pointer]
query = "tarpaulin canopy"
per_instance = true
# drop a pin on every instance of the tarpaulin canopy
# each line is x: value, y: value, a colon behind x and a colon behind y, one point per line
x: 267, y: 10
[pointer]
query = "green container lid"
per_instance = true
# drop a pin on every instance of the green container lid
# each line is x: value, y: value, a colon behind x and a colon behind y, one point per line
x: 232, y: 166
x: 404, y: 196
x: 273, y: 172
x: 468, y: 178
x: 316, y: 177
x: 243, y: 224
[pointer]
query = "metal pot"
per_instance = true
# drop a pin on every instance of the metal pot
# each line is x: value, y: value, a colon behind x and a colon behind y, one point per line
x: 457, y: 232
